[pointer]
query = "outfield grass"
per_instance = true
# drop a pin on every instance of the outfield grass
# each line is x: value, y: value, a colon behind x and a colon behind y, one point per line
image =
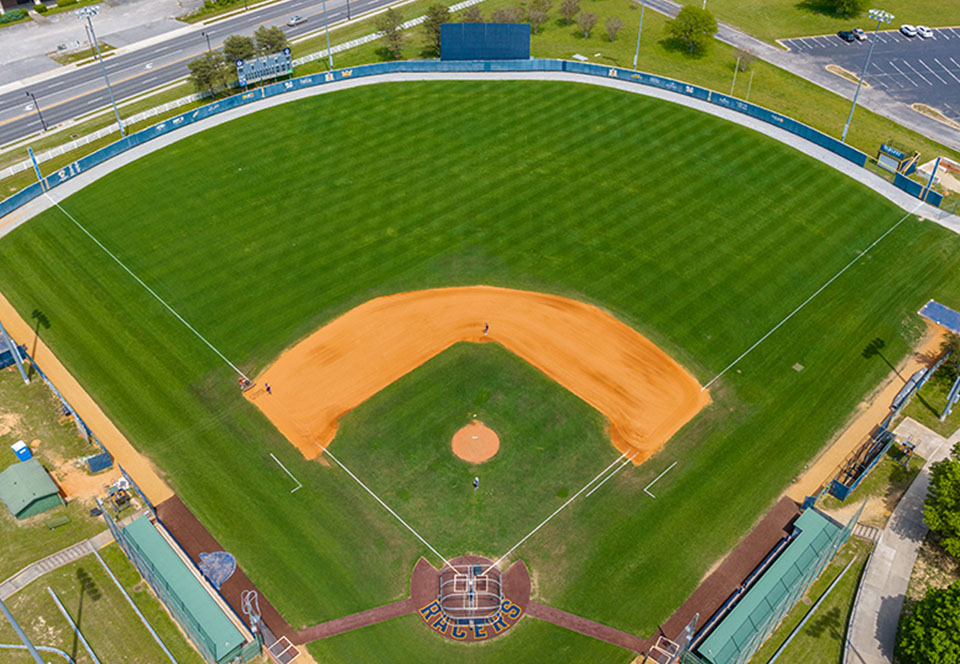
x: 110, y: 626
x: 700, y: 234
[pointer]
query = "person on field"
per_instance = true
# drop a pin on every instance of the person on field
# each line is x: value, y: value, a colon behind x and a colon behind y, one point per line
x: 486, y: 328
x: 267, y: 385
x: 476, y: 483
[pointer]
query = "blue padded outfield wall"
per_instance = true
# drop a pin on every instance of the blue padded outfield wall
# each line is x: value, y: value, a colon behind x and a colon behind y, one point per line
x: 434, y: 66
x: 485, y: 41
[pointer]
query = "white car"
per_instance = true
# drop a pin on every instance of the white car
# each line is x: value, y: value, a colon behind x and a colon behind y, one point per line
x: 908, y: 30
x: 859, y: 34
x: 924, y: 31
x: 296, y: 20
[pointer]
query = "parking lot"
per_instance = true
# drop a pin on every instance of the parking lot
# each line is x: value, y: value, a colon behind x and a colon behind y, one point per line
x: 909, y: 69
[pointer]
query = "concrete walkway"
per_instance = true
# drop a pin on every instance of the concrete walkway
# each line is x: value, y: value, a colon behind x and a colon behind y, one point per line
x: 876, y: 612
x: 873, y: 99
x: 905, y: 201
x: 35, y: 570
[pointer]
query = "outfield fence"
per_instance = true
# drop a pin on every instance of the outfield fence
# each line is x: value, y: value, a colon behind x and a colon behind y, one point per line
x: 429, y: 66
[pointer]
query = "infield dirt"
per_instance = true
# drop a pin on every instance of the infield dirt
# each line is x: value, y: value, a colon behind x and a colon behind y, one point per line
x: 645, y: 395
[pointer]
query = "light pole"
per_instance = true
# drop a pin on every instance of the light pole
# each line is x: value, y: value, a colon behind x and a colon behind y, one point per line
x: 882, y: 17
x: 37, y: 106
x: 636, y: 55
x: 88, y: 13
x: 327, y: 27
x: 208, y: 40
x: 348, y: 10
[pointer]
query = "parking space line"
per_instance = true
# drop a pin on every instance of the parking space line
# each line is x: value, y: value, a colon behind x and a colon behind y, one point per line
x: 917, y: 73
x: 956, y: 64
x: 899, y: 71
x: 950, y: 73
x: 942, y: 80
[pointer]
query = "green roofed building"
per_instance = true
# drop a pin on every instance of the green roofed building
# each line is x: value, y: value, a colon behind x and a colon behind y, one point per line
x: 211, y: 629
x: 26, y: 489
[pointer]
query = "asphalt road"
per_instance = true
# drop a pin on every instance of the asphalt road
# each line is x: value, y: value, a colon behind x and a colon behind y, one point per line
x: 910, y: 70
x: 80, y: 91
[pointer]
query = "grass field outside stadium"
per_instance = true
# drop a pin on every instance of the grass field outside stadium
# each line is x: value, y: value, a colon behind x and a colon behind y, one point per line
x: 700, y: 234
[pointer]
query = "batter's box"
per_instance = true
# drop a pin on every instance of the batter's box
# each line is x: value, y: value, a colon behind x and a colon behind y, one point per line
x: 282, y: 651
x: 460, y: 583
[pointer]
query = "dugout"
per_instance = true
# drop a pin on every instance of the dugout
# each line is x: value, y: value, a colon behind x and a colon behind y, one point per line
x: 777, y: 585
x: 26, y: 489
x: 218, y: 633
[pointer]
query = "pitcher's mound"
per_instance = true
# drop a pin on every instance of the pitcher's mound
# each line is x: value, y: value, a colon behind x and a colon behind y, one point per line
x: 475, y: 443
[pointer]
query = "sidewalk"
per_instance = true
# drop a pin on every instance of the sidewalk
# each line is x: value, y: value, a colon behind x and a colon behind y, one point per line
x: 876, y: 612
x: 872, y: 99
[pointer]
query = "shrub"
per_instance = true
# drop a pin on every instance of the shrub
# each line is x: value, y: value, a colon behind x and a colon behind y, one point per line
x: 13, y: 15
x: 41, y: 9
x: 66, y: 3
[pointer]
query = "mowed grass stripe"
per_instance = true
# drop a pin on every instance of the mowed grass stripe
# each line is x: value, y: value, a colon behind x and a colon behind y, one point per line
x: 584, y: 192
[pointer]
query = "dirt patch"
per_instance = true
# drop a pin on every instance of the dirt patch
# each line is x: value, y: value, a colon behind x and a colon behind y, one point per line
x: 76, y: 482
x: 645, y: 394
x: 10, y: 423
x: 934, y: 568
x: 475, y: 443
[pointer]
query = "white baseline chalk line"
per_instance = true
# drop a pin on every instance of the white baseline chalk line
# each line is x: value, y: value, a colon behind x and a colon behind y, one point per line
x: 555, y: 512
x: 288, y: 473
x: 148, y: 289
x: 817, y: 292
x: 625, y: 463
x: 387, y: 507
x: 669, y: 468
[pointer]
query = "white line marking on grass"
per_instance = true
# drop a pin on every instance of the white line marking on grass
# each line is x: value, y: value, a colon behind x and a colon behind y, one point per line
x: 148, y: 289
x: 288, y: 473
x: 555, y: 512
x: 625, y: 463
x: 387, y: 507
x: 657, y: 478
x: 809, y: 299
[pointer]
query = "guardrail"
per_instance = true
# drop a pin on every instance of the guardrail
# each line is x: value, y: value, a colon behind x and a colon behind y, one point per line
x: 429, y: 66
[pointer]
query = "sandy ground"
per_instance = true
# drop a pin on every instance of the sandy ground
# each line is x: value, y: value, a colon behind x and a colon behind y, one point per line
x: 138, y: 466
x: 78, y: 483
x: 645, y: 394
x: 475, y: 443
x: 869, y: 414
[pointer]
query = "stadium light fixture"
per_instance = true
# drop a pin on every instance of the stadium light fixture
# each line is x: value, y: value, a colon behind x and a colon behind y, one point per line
x: 636, y: 55
x: 88, y: 13
x: 880, y: 16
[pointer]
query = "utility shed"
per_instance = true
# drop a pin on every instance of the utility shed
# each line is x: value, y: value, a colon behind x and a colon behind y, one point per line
x: 26, y: 489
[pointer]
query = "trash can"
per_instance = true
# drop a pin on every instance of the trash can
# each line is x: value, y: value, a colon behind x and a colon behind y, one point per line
x: 22, y: 451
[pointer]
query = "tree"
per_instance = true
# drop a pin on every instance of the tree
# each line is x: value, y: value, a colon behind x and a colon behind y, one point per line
x: 694, y: 27
x: 507, y: 15
x: 542, y: 5
x: 537, y: 18
x: 746, y: 59
x: 931, y: 634
x: 388, y: 23
x: 270, y: 40
x: 613, y: 26
x: 238, y: 47
x: 207, y: 73
x: 436, y: 16
x: 942, y: 508
x: 586, y: 21
x: 849, y: 7
x: 569, y: 9
x: 951, y: 365
x: 471, y: 14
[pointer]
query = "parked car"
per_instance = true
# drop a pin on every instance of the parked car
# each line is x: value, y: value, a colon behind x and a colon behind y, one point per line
x: 859, y: 34
x: 924, y: 31
x: 908, y: 30
x: 296, y: 20
x: 846, y: 36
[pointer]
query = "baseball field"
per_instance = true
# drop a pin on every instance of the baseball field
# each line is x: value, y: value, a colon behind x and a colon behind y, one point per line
x: 699, y: 235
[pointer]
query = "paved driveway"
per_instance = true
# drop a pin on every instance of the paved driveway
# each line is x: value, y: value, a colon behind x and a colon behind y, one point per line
x: 910, y: 70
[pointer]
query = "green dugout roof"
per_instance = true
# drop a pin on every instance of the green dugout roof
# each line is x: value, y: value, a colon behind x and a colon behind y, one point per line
x: 733, y: 634
x: 26, y: 489
x: 221, y: 633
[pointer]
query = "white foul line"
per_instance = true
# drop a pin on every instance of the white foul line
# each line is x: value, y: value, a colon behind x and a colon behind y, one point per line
x: 626, y: 462
x: 387, y: 507
x: 555, y: 512
x: 807, y: 301
x: 149, y: 290
x: 288, y: 473
x: 657, y: 478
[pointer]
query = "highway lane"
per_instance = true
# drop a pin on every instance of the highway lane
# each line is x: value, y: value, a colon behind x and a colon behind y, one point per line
x: 78, y: 92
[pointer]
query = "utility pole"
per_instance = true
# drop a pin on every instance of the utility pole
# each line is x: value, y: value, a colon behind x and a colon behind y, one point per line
x: 37, y: 106
x: 208, y: 40
x: 327, y: 27
x: 88, y: 13
x: 636, y: 56
x: 23, y: 637
x: 882, y: 17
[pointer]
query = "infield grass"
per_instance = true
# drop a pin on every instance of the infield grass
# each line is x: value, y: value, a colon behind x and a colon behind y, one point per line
x: 700, y: 234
